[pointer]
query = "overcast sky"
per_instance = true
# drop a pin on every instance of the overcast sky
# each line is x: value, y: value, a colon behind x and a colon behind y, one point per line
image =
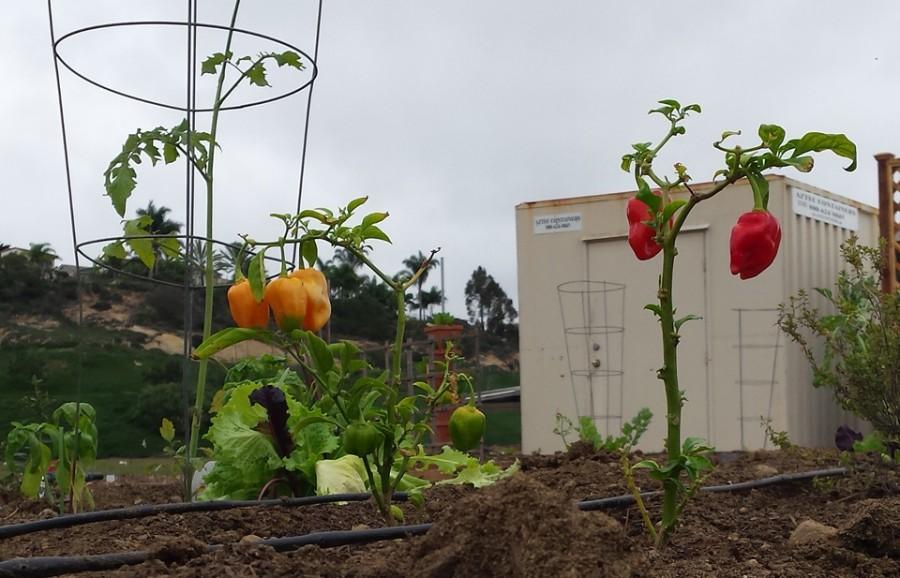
x: 447, y: 114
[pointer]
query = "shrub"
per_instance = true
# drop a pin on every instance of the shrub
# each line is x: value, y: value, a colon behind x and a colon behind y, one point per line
x: 855, y: 350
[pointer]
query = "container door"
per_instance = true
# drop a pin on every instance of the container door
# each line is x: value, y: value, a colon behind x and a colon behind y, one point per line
x: 612, y: 261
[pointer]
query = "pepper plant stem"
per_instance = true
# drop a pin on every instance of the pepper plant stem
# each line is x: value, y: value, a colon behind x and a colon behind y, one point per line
x: 669, y: 375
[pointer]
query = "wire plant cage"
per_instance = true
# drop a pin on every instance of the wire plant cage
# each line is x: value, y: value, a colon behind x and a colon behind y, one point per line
x: 192, y: 106
x: 593, y: 319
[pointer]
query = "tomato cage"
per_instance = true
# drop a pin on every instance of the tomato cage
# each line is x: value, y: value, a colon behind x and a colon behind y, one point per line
x: 593, y: 319
x: 118, y: 67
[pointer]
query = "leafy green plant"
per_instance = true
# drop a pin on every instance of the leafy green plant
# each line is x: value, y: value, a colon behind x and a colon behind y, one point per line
x: 655, y: 220
x: 854, y: 346
x: 351, y: 409
x: 630, y: 435
x: 443, y: 319
x: 199, y: 148
x: 777, y: 438
x: 56, y: 454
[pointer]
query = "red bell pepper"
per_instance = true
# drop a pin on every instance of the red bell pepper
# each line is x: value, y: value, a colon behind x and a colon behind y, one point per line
x: 641, y: 236
x: 754, y: 243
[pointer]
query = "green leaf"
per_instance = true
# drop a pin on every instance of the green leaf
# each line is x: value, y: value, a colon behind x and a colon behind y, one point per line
x: 671, y: 102
x: 771, y: 135
x: 693, y: 107
x: 228, y: 337
x: 373, y: 232
x: 839, y: 144
x: 143, y: 248
x: 804, y: 164
x: 170, y: 246
x: 322, y: 358
x: 309, y: 251
x: 289, y: 58
x: 119, y: 187
x: 670, y: 209
x: 646, y: 196
x: 760, y: 187
x: 212, y: 62
x: 355, y: 203
x: 115, y: 249
x: 257, y: 74
x: 167, y: 430
x: 685, y: 319
x: 372, y: 218
x: 656, y: 309
x: 170, y: 153
x: 256, y: 275
x: 695, y: 446
x: 646, y: 465
x: 447, y: 462
x: 626, y: 162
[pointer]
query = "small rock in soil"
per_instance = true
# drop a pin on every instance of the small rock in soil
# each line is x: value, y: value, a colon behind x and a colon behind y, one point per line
x: 812, y: 533
x: 250, y: 539
x: 764, y: 471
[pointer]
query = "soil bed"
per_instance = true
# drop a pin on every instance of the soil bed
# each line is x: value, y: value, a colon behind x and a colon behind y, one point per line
x: 525, y: 526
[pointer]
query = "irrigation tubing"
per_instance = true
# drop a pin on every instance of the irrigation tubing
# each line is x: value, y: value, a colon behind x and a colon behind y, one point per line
x: 132, y: 512
x: 45, y: 566
x: 628, y: 499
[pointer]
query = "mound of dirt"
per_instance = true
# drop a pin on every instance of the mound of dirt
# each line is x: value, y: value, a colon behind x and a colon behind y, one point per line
x: 875, y: 529
x: 522, y: 528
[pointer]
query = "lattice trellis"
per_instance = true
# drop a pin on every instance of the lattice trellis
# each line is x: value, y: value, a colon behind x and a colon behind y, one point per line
x: 889, y: 216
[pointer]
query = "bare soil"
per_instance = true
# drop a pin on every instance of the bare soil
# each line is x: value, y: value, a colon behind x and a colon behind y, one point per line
x: 526, y: 526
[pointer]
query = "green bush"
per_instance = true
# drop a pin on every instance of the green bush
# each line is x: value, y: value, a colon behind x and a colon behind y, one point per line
x: 855, y: 349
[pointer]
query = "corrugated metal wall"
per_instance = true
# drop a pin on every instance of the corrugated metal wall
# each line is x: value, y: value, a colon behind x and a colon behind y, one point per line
x: 812, y: 249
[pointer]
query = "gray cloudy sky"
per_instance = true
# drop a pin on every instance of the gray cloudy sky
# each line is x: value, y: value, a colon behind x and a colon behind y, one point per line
x: 447, y: 114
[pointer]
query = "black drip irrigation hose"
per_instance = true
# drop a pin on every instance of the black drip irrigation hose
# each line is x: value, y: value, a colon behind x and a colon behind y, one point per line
x: 46, y: 566
x: 628, y: 499
x: 132, y: 512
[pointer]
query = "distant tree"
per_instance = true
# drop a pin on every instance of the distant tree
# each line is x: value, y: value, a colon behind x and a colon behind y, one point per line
x: 488, y: 304
x: 160, y: 224
x: 4, y: 247
x: 413, y: 263
x: 42, y: 256
x: 343, y: 279
x: 431, y: 298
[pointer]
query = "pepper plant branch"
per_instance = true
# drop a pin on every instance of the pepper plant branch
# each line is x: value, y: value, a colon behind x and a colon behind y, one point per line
x: 220, y: 100
x: 639, y: 502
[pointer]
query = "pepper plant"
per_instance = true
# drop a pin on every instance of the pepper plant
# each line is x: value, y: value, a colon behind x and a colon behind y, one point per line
x: 199, y: 148
x: 656, y: 217
x: 56, y: 455
x: 373, y: 419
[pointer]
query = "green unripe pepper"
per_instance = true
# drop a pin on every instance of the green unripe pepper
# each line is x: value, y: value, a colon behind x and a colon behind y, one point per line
x: 466, y: 427
x: 361, y: 439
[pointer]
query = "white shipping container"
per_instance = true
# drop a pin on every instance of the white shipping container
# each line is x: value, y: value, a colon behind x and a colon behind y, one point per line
x: 588, y: 348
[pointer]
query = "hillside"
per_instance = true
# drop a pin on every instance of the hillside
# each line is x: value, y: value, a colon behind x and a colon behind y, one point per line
x: 131, y: 360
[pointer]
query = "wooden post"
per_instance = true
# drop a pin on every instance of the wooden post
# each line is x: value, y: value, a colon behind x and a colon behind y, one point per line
x: 888, y: 209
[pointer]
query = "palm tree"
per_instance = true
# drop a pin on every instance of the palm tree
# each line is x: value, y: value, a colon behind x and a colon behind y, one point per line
x: 413, y: 264
x: 160, y: 224
x: 43, y: 256
x: 197, y: 262
x: 431, y: 298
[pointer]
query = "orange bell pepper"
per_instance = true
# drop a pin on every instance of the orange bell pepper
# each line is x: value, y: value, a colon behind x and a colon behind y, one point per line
x: 245, y: 310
